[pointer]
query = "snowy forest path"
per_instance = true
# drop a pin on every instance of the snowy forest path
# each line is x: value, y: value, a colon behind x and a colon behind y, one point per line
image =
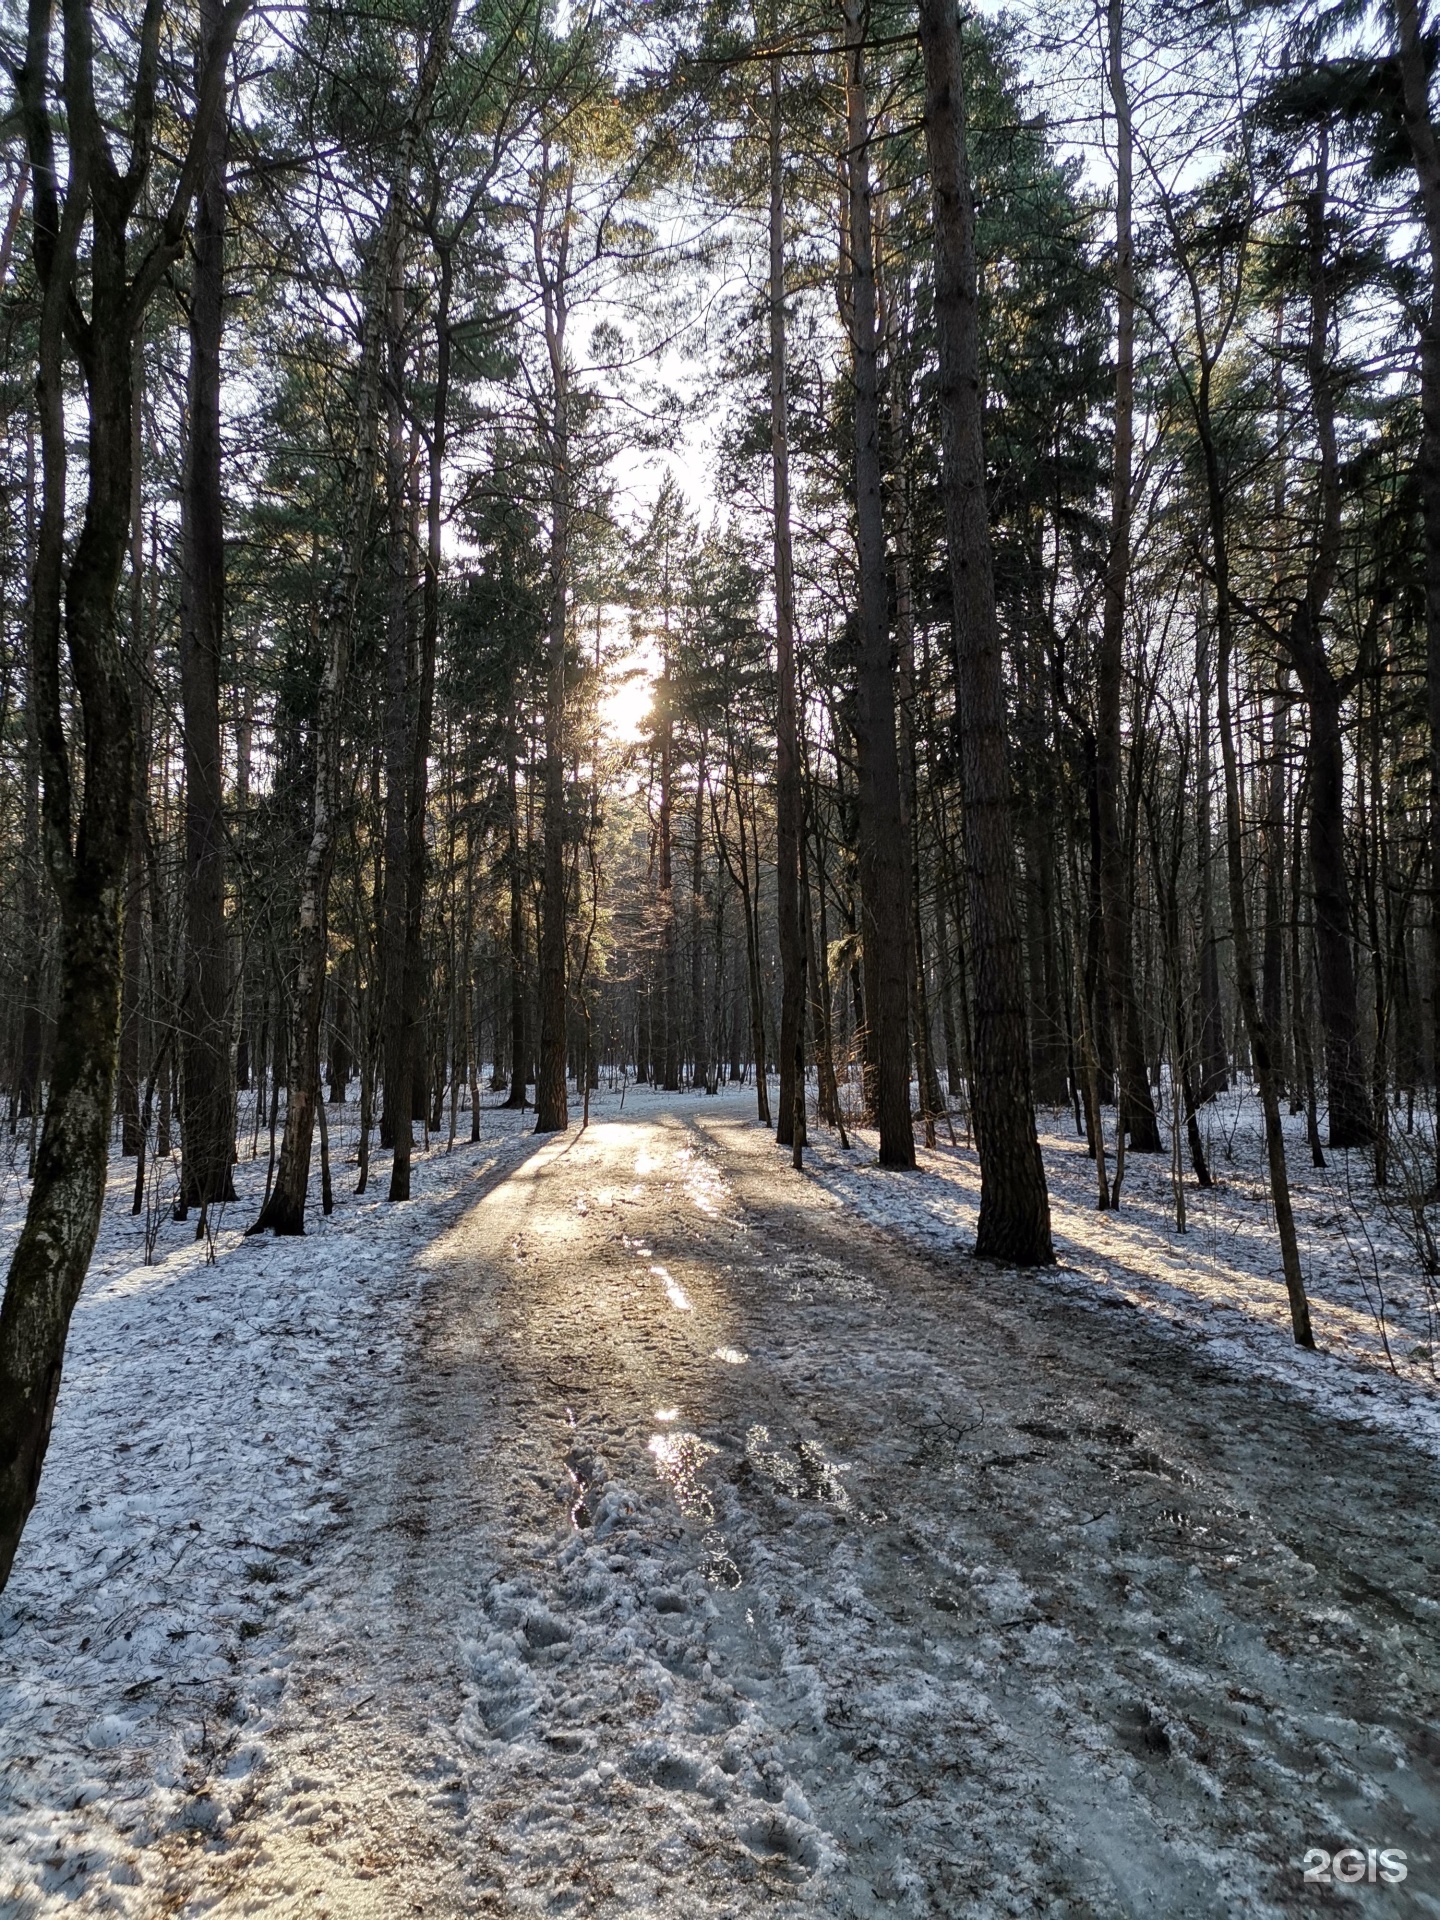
x: 721, y: 1556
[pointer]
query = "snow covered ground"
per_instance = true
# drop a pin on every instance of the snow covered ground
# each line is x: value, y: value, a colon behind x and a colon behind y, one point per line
x: 630, y: 1526
x: 1376, y: 1313
x: 212, y: 1406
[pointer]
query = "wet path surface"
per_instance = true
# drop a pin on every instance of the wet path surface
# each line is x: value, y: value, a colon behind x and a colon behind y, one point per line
x: 724, y: 1557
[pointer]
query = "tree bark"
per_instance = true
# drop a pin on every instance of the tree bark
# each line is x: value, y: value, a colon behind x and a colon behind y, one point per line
x: 787, y: 743
x: 86, y: 855
x: 1261, y: 1044
x: 1166, y: 866
x: 340, y: 1060
x: 519, y: 1050
x: 1137, y: 1110
x: 882, y: 849
x: 1425, y: 150
x: 396, y: 1129
x: 284, y: 1209
x: 1014, y: 1205
x: 412, y: 1005
x: 1272, y: 974
x: 817, y: 981
x: 1302, y: 1045
x: 551, y: 1110
x: 670, y: 1013
x: 207, y: 1077
x: 1351, y: 1120
x: 1214, y: 1062
x: 954, y: 1071
x: 31, y: 876
x: 132, y: 988
x: 750, y: 909
x: 700, y: 1041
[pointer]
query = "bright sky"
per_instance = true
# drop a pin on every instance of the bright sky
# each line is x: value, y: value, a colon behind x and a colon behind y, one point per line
x: 626, y: 702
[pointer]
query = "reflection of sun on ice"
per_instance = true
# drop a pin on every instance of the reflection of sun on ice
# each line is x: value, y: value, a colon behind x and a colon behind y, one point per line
x: 678, y: 1459
x: 679, y: 1299
x: 703, y: 1186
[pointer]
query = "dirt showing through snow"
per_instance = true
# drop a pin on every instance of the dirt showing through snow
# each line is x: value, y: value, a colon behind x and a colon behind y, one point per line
x: 712, y: 1553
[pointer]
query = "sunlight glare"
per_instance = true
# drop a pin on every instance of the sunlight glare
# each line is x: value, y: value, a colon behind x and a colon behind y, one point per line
x: 625, y: 706
x: 631, y: 671
x: 677, y: 1295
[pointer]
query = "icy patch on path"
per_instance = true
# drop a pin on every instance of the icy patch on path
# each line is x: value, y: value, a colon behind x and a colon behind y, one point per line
x: 864, y: 1586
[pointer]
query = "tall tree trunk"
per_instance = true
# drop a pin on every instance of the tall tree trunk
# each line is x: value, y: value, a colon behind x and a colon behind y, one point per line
x: 1377, y: 888
x: 163, y: 972
x: 699, y: 1021
x: 750, y: 909
x: 207, y: 1078
x: 1425, y: 148
x: 1272, y: 975
x: 752, y: 894
x: 1014, y: 1206
x: 284, y: 1210
x: 1049, y: 1047
x: 519, y: 1047
x: 1137, y: 1110
x: 787, y: 741
x: 1302, y: 1044
x: 954, y: 1071
x: 926, y: 1079
x: 670, y: 1022
x: 818, y: 984
x: 400, y: 691
x: 721, y: 996
x: 1166, y: 866
x: 132, y: 989
x: 1214, y: 1062
x: 341, y: 1015
x: 1351, y: 1121
x: 31, y: 857
x: 1272, y: 958
x: 63, y: 1215
x: 551, y: 1111
x: 412, y: 1002
x: 1261, y: 1045
x: 882, y: 849
x: 87, y: 855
